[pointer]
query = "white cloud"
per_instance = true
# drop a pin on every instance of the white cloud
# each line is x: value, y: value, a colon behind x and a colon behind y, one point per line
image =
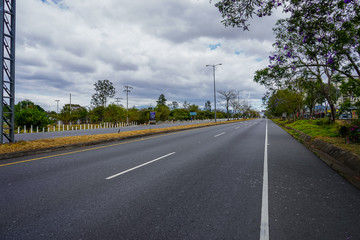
x: 157, y: 46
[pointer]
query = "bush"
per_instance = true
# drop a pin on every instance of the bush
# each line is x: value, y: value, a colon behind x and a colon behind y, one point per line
x: 351, y: 131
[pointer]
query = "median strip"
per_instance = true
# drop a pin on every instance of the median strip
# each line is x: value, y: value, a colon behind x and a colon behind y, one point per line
x: 24, y: 148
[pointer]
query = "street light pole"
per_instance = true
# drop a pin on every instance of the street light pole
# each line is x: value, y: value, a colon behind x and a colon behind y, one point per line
x: 213, y: 66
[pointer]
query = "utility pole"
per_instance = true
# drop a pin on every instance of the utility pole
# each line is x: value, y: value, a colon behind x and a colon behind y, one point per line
x: 118, y: 100
x: 127, y: 90
x: 238, y: 104
x: 70, y: 110
x: 57, y: 106
x: 213, y: 66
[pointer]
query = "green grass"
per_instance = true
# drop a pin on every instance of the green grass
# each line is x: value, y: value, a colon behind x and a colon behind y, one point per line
x: 316, y: 128
x: 321, y: 129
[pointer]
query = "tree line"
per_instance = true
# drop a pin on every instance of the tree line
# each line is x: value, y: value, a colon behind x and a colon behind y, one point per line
x: 27, y: 113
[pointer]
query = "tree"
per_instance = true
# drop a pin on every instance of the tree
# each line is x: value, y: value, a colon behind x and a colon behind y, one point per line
x: 161, y: 100
x: 104, y: 90
x: 29, y: 114
x: 180, y: 114
x: 26, y: 104
x: 114, y: 113
x: 227, y: 96
x: 285, y: 101
x: 144, y: 116
x: 207, y: 106
x: 186, y: 105
x: 97, y: 114
x: 162, y: 112
x: 329, y: 33
x: 76, y: 112
x: 174, y: 105
x: 295, y: 60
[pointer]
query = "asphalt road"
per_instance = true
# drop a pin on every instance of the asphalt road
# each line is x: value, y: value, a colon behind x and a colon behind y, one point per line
x: 199, y: 184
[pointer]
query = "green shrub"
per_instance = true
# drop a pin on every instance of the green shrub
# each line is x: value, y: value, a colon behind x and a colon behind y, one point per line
x: 351, y: 131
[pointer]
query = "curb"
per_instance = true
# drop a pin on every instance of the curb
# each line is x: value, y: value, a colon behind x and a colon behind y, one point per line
x: 346, y: 163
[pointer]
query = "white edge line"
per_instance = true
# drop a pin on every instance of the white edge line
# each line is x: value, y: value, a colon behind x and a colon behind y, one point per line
x: 220, y: 134
x: 264, y: 226
x: 139, y: 166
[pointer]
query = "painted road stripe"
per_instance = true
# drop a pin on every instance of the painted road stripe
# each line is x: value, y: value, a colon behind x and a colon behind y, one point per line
x: 237, y: 127
x: 264, y: 226
x: 220, y: 134
x: 139, y: 166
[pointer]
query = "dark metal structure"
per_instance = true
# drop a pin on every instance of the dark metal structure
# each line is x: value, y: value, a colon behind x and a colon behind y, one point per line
x: 7, y: 76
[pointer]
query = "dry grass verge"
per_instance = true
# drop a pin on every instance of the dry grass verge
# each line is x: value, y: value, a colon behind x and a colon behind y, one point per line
x: 58, y: 143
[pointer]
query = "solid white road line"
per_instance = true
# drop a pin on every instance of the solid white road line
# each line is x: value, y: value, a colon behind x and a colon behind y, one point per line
x: 131, y: 169
x: 220, y: 134
x: 264, y: 226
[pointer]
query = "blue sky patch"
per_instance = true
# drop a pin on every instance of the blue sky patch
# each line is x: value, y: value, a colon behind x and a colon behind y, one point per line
x: 57, y: 2
x: 258, y: 59
x: 214, y: 46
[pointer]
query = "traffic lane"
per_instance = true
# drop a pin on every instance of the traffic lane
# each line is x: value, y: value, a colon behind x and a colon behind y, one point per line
x: 85, y: 163
x: 70, y: 204
x: 307, y: 199
x: 207, y: 192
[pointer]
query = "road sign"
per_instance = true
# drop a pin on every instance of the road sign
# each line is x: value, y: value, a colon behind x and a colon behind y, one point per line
x: 192, y: 113
x: 152, y: 116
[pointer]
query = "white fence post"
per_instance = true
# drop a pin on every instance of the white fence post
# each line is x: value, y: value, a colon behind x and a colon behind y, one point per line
x: 37, y: 129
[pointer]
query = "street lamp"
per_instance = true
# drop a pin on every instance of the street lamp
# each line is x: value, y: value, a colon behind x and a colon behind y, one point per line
x: 213, y: 66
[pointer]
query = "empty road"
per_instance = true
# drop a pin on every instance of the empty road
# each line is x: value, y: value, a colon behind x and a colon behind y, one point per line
x: 245, y: 180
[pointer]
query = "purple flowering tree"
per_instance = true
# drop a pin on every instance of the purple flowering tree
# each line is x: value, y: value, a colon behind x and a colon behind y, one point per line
x: 320, y: 40
x: 298, y: 66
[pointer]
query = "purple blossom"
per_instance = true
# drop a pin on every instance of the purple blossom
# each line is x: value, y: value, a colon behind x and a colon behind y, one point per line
x: 288, y: 54
x: 330, y: 61
x: 347, y: 1
x: 304, y: 40
x: 286, y: 47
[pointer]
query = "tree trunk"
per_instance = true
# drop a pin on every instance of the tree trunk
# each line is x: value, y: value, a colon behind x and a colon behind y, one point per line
x: 332, y: 108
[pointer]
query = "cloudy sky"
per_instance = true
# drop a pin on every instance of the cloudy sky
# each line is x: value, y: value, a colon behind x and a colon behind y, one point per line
x: 157, y: 46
